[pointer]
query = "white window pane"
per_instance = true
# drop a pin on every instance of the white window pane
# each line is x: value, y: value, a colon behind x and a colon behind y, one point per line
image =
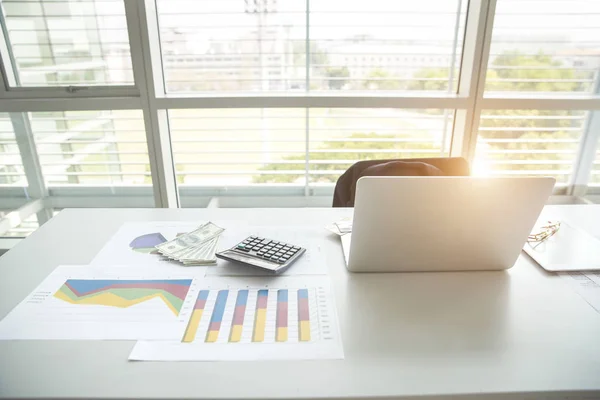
x: 23, y: 228
x: 545, y: 46
x: 383, y: 45
x: 254, y: 147
x: 11, y: 164
x: 100, y: 148
x: 262, y: 45
x: 231, y: 147
x: 68, y: 42
x: 529, y: 142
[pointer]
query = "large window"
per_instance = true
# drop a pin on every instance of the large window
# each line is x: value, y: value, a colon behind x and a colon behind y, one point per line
x: 117, y: 103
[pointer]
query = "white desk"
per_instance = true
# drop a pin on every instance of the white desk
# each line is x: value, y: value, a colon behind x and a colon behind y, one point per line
x: 519, y: 331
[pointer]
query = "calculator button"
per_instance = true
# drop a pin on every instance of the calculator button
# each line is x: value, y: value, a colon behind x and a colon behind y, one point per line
x: 282, y: 260
x: 266, y: 241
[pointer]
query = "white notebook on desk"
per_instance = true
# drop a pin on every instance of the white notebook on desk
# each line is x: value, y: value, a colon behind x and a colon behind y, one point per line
x: 569, y: 249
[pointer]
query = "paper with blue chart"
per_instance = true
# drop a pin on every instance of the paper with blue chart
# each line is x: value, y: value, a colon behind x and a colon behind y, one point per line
x: 255, y: 318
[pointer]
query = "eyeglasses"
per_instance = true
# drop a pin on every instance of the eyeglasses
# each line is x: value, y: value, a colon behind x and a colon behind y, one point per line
x: 545, y: 232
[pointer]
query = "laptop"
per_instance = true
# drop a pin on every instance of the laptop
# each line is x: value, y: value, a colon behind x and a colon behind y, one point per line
x: 443, y: 223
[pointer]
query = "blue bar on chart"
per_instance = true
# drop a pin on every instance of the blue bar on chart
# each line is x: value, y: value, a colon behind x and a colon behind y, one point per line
x: 217, y: 317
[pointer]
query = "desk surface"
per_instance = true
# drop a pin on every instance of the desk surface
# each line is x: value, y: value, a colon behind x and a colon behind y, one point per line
x: 404, y: 335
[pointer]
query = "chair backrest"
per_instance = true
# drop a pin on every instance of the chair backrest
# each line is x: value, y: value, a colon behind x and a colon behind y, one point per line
x: 346, y: 184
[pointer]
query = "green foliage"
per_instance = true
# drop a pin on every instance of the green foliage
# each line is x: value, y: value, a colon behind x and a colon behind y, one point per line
x: 337, y: 73
x: 356, y: 142
x: 441, y: 74
x: 379, y: 79
x: 511, y: 66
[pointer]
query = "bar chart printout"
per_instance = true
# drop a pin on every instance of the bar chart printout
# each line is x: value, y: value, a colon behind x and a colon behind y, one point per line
x: 294, y: 320
x: 93, y: 303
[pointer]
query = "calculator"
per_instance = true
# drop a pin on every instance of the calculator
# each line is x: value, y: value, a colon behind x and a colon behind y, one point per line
x: 270, y: 255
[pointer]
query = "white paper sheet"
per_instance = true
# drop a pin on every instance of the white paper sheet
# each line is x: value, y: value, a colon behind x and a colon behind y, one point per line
x: 569, y: 249
x: 586, y: 284
x: 89, y: 303
x: 252, y: 318
x: 133, y: 244
x: 312, y: 262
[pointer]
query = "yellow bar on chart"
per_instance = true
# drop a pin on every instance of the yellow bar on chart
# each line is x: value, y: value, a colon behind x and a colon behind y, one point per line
x: 304, y: 331
x: 236, y: 333
x: 192, y: 328
x: 282, y: 334
x: 260, y: 319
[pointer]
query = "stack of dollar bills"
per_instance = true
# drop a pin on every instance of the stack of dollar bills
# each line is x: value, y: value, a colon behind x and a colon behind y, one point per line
x: 194, y: 248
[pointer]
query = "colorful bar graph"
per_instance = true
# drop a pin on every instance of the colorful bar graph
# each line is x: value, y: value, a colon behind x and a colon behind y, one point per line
x: 190, y: 331
x: 260, y: 318
x: 238, y: 316
x: 217, y: 316
x: 303, y: 316
x: 281, y: 321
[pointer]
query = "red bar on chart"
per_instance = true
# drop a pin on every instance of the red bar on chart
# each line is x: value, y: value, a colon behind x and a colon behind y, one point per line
x: 281, y: 322
x: 303, y: 316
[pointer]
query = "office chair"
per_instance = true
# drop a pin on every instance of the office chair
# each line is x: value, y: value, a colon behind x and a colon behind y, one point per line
x: 345, y: 186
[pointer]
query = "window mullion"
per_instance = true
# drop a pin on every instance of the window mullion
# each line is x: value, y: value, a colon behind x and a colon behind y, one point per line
x: 307, y: 110
x: 476, y: 49
x: 7, y: 61
x: 586, y: 153
x: 13, y: 87
x: 147, y: 69
x: 29, y: 156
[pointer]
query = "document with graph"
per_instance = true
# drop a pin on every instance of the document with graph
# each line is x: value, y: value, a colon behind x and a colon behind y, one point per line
x: 88, y: 303
x: 278, y: 318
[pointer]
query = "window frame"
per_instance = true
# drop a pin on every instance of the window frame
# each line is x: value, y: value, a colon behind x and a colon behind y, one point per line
x: 10, y: 90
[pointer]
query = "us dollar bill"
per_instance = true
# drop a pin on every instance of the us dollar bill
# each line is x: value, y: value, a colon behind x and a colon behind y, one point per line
x: 183, y: 244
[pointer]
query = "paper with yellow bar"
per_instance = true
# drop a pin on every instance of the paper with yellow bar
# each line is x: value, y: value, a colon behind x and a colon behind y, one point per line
x: 251, y: 318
